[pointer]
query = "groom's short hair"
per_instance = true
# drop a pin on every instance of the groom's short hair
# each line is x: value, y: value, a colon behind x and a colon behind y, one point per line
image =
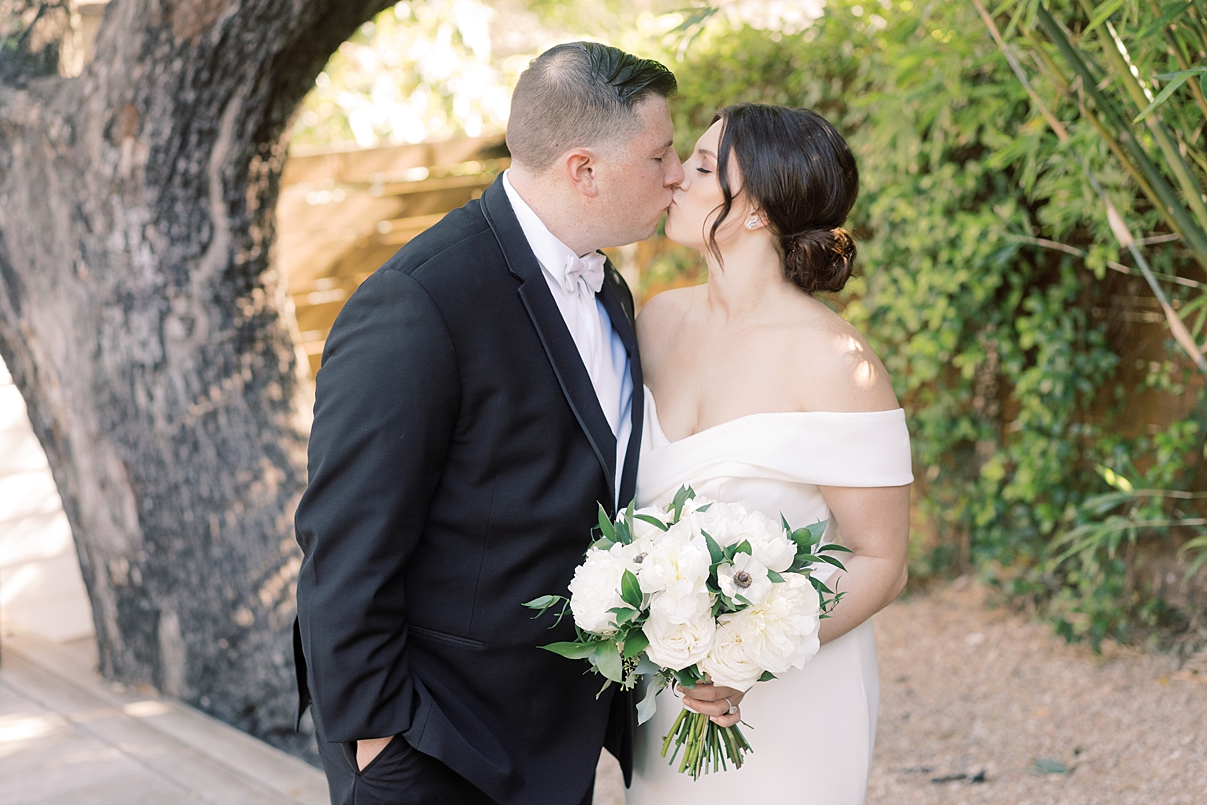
x: 579, y: 94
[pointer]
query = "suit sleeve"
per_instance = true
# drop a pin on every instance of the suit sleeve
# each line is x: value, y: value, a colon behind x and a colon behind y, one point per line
x: 386, y: 401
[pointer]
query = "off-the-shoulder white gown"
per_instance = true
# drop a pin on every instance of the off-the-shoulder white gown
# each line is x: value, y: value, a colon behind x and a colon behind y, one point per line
x: 812, y: 730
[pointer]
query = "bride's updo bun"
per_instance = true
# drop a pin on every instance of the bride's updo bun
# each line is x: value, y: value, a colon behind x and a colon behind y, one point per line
x: 819, y: 259
x: 798, y: 173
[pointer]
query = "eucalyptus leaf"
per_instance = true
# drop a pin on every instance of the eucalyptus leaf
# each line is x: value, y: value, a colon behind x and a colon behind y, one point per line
x: 649, y: 703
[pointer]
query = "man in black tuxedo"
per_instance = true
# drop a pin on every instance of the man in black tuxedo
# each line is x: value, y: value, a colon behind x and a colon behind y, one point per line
x: 480, y: 395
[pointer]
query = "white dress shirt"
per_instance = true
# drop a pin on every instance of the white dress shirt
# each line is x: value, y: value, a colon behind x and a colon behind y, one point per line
x: 602, y: 351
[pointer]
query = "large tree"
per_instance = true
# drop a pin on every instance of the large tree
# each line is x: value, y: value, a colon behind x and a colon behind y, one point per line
x: 141, y: 319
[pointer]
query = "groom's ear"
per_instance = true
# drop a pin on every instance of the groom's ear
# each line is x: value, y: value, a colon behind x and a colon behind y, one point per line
x: 580, y: 166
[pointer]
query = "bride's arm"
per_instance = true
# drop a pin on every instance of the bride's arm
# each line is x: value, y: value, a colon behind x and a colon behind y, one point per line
x: 874, y: 523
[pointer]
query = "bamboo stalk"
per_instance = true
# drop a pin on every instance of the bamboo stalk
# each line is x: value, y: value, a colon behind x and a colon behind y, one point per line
x: 1111, y: 264
x: 1116, y: 54
x: 1193, y: 235
x: 1118, y: 226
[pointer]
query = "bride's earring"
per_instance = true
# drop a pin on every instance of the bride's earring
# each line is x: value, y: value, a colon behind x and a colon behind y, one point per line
x: 752, y: 223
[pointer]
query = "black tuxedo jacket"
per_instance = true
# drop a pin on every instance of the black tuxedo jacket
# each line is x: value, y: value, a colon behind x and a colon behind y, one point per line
x: 457, y: 458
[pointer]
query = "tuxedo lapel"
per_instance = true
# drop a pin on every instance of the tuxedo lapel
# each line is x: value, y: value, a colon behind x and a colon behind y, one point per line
x: 551, y: 328
x: 623, y: 326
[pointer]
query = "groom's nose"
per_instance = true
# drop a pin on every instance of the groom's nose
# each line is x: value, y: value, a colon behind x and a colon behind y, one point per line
x: 674, y: 171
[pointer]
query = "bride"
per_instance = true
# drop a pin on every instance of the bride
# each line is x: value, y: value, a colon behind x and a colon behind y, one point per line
x: 758, y: 392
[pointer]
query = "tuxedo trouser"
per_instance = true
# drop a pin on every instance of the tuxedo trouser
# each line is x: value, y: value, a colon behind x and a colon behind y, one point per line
x: 399, y: 775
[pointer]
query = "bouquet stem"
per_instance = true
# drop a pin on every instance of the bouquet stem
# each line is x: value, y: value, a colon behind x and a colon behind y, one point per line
x: 706, y: 747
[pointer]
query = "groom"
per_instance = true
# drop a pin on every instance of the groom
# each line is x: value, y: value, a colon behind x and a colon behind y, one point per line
x: 480, y: 395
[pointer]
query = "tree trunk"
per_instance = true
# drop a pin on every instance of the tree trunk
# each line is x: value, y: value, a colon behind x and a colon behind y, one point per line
x: 140, y: 317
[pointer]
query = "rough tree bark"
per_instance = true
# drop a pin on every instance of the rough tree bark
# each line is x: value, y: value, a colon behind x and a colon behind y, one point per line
x: 140, y: 317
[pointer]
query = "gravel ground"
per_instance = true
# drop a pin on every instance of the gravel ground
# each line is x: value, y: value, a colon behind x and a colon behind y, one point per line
x: 984, y: 706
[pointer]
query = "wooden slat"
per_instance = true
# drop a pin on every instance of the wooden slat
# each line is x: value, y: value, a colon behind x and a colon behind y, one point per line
x: 317, y: 164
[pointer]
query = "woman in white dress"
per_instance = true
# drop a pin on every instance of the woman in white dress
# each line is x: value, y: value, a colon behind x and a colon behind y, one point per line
x: 759, y: 392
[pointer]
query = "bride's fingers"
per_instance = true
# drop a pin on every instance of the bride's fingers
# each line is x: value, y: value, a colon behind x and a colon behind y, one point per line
x: 727, y: 721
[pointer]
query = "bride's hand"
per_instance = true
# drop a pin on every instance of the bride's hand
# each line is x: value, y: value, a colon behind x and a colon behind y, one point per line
x: 715, y: 702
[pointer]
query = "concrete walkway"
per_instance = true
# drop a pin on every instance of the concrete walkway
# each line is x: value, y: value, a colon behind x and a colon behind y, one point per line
x: 69, y: 738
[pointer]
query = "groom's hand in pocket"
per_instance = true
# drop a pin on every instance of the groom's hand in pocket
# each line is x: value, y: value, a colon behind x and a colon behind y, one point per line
x: 367, y: 751
x: 714, y: 701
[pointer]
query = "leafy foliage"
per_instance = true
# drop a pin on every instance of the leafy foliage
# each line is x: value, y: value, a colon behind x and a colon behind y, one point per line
x: 1026, y: 353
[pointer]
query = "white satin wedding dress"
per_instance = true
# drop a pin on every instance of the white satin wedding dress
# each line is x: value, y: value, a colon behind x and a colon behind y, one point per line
x: 812, y: 730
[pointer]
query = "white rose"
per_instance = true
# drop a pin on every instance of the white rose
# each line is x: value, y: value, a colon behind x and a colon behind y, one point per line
x: 678, y: 645
x: 676, y: 561
x: 780, y: 633
x: 728, y: 662
x: 595, y: 589
x: 768, y: 541
x: 745, y: 576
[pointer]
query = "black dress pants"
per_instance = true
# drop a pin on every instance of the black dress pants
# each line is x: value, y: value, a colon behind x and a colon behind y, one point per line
x: 400, y: 775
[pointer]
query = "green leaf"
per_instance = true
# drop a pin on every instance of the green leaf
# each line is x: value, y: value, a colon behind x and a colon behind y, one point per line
x: 602, y: 544
x: 605, y: 524
x: 624, y: 614
x: 1102, y: 14
x: 542, y: 603
x: 634, y: 644
x: 630, y: 589
x: 623, y: 535
x: 704, y: 508
x: 607, y: 660
x: 646, y: 666
x: 832, y: 546
x: 775, y: 577
x: 1165, y: 19
x: 654, y: 521
x: 682, y: 495
x: 572, y: 651
x: 685, y: 677
x: 1177, y: 80
x: 767, y: 676
x: 715, y: 551
x: 649, y: 704
x: 742, y: 547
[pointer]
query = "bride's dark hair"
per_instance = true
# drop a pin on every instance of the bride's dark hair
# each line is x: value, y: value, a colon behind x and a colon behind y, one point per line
x: 798, y: 172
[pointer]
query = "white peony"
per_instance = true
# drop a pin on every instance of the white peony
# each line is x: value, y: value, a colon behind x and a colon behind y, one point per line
x: 680, y: 604
x: 721, y: 521
x: 728, y: 662
x: 745, y: 576
x: 780, y: 633
x: 595, y: 589
x: 677, y: 563
x: 768, y: 541
x: 678, y: 645
x: 635, y: 553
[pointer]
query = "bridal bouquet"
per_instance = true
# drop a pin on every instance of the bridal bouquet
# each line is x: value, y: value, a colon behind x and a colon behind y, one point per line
x: 702, y: 588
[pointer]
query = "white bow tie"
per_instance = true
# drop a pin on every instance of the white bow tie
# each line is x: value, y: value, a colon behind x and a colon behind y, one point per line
x: 590, y: 269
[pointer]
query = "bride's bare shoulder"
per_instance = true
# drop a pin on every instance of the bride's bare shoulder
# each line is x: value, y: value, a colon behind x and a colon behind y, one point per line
x: 662, y: 314
x: 836, y: 369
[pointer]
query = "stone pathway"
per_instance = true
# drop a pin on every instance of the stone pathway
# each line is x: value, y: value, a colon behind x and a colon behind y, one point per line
x: 67, y: 738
